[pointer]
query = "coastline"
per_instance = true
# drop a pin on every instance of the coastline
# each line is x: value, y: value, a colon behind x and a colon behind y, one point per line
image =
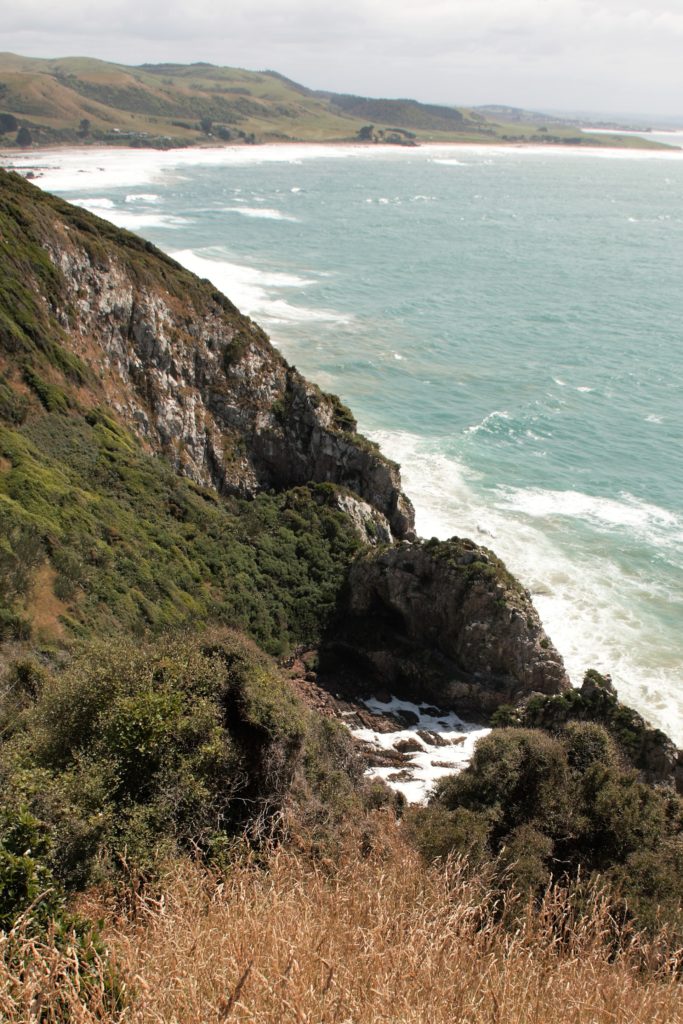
x: 95, y: 170
x: 55, y: 166
x: 656, y: 149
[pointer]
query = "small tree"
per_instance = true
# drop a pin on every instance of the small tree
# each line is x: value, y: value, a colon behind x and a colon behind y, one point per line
x: 8, y: 123
x: 24, y: 137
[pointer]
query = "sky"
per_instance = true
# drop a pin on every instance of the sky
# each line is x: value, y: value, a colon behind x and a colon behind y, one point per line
x: 607, y: 56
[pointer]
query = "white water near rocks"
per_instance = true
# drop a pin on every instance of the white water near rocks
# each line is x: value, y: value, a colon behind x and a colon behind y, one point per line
x: 445, y: 745
x: 506, y: 322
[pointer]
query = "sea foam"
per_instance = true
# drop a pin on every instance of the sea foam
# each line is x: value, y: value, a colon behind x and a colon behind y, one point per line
x: 252, y: 290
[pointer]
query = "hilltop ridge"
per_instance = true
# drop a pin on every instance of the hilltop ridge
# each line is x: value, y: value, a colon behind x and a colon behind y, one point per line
x: 80, y: 100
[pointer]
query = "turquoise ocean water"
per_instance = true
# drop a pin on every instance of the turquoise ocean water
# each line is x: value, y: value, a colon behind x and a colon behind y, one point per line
x: 507, y: 323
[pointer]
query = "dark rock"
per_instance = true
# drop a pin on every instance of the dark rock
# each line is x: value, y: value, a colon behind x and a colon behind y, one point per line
x: 434, y: 739
x: 418, y: 622
x: 408, y: 718
x: 408, y: 746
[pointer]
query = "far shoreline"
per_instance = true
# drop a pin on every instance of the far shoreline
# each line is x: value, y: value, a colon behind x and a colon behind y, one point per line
x: 47, y: 158
x: 649, y: 146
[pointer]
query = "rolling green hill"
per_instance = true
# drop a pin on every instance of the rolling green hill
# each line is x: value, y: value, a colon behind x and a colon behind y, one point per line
x: 82, y: 100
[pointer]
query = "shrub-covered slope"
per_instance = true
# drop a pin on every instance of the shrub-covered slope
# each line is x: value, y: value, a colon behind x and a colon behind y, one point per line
x: 166, y: 478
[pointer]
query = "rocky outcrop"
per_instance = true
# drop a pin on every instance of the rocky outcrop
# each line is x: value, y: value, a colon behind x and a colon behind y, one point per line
x: 442, y: 622
x: 202, y: 383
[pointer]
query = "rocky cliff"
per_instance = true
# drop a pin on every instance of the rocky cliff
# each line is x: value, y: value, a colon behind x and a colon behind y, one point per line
x: 446, y: 623
x: 203, y: 384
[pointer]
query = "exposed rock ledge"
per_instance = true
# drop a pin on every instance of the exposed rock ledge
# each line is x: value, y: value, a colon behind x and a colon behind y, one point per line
x: 442, y: 622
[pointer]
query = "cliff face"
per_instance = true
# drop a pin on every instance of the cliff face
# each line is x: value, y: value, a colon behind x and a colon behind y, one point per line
x: 203, y: 384
x: 444, y: 622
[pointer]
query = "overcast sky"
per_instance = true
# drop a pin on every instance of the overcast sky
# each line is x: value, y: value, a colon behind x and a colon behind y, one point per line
x: 623, y: 56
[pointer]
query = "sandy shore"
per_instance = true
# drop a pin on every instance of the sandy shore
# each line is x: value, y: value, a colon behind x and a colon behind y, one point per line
x: 66, y: 169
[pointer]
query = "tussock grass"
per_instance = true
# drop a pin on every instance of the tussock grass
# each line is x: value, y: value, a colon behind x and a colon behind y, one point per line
x: 371, y: 938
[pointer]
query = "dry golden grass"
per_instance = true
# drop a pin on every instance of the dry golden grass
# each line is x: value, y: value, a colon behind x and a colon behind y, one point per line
x: 369, y: 940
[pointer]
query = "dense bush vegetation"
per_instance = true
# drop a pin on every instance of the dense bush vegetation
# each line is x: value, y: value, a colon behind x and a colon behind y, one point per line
x: 554, y: 806
x: 133, y: 547
x: 136, y: 751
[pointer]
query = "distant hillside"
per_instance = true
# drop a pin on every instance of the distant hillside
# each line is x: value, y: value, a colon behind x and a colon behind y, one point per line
x: 517, y: 115
x: 78, y: 100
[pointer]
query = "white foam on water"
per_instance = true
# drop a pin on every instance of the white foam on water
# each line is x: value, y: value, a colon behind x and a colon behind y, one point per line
x: 138, y: 221
x: 94, y: 204
x: 491, y: 418
x: 648, y: 522
x: 252, y: 290
x: 597, y: 614
x: 143, y: 197
x: 128, y: 219
x: 260, y: 212
x: 71, y: 170
x: 434, y: 760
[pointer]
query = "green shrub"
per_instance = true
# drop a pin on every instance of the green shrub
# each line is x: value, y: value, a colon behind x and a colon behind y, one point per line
x: 139, y: 750
x: 541, y: 807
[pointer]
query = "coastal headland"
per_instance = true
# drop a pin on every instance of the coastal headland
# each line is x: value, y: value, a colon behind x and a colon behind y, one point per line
x: 86, y: 102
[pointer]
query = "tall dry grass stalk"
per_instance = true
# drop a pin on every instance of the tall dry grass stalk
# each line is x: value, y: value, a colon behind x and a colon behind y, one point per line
x: 371, y: 939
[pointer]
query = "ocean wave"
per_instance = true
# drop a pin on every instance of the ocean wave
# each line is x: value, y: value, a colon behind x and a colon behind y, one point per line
x: 137, y: 221
x: 646, y: 521
x: 95, y: 204
x: 260, y: 213
x: 490, y: 423
x: 252, y: 289
x: 143, y: 197
x: 128, y: 219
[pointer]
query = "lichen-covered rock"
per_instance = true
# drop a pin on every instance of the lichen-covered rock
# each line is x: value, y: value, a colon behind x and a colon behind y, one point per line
x: 444, y: 622
x: 371, y: 526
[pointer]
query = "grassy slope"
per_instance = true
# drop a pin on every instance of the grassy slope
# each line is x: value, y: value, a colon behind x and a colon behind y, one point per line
x: 371, y: 938
x: 164, y: 104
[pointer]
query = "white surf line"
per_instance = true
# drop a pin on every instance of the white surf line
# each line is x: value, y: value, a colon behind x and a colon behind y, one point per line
x: 442, y: 745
